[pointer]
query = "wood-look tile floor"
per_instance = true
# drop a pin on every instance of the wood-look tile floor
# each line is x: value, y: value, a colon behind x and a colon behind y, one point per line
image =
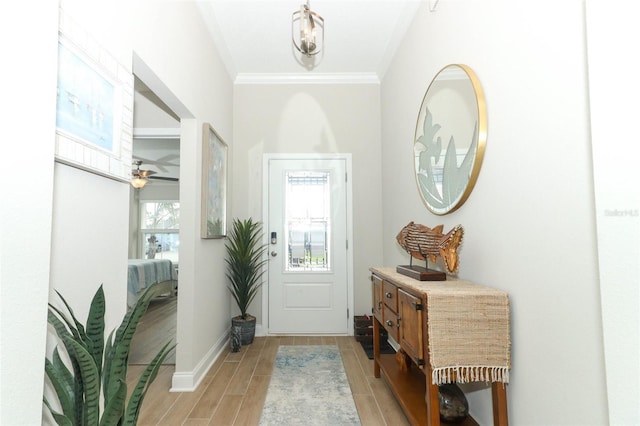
x: 234, y: 390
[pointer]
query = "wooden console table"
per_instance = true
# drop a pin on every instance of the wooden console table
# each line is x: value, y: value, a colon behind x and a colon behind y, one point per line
x: 448, y: 331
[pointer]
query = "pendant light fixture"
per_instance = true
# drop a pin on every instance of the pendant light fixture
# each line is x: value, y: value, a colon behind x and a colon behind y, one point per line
x: 307, y: 31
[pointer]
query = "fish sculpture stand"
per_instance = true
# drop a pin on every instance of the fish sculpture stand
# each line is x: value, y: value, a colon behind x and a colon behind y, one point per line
x: 424, y: 243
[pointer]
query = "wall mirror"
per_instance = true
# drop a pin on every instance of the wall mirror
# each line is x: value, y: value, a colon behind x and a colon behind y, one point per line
x: 450, y: 138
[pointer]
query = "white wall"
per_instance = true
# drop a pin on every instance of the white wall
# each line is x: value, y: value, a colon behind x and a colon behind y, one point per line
x: 89, y: 241
x: 612, y: 33
x: 530, y: 221
x: 25, y: 211
x: 90, y: 217
x: 178, y: 48
x: 322, y: 118
x: 167, y: 45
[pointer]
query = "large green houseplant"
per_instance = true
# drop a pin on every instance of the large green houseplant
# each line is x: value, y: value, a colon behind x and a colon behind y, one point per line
x: 97, y: 366
x: 245, y: 261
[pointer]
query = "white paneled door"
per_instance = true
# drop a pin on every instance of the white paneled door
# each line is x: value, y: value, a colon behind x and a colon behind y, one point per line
x: 307, y: 229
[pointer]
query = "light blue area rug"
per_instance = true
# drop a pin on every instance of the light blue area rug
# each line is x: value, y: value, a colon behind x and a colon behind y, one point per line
x: 309, y: 387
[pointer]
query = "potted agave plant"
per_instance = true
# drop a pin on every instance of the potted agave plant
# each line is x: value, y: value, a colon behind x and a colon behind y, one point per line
x: 97, y: 367
x: 245, y: 262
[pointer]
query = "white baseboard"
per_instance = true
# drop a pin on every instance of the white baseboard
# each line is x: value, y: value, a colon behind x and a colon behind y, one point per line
x: 260, y: 331
x: 188, y: 381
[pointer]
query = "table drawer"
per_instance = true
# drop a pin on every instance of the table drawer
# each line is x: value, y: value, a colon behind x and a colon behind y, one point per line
x: 390, y: 295
x: 391, y: 322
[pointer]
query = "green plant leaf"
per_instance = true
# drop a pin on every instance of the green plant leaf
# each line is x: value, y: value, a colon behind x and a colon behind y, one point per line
x: 106, y: 372
x: 66, y: 337
x: 146, y: 378
x: 66, y: 322
x: 90, y: 382
x: 60, y: 419
x: 118, y: 356
x: 78, y: 325
x: 60, y: 366
x: 95, y: 327
x: 114, y: 411
x: 62, y: 381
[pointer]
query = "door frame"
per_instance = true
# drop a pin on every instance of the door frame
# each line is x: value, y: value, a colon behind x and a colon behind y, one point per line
x: 349, y: 207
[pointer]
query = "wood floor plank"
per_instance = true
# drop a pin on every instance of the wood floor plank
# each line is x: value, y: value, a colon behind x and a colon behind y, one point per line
x: 300, y: 340
x: 357, y: 378
x: 286, y: 340
x: 390, y: 409
x: 187, y: 400
x: 314, y: 340
x: 242, y: 377
x: 237, y: 356
x: 365, y: 362
x: 251, y: 408
x: 180, y: 410
x: 345, y: 342
x: 156, y: 327
x: 258, y: 343
x: 329, y: 340
x: 195, y: 422
x: 267, y: 359
x: 218, y: 363
x: 157, y: 403
x: 227, y: 410
x: 212, y: 395
x: 368, y: 411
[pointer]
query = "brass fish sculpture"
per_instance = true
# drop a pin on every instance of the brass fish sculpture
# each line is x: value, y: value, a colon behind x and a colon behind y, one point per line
x: 423, y: 242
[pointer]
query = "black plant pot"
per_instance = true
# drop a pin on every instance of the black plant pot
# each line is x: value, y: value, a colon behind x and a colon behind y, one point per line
x: 247, y: 328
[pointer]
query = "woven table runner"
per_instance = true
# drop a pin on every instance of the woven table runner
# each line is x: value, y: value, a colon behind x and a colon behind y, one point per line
x: 468, y: 328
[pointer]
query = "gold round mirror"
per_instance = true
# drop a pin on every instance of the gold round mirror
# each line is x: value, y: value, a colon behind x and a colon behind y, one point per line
x: 450, y: 138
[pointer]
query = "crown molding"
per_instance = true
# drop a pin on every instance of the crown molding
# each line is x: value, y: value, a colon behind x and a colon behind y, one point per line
x: 337, y: 78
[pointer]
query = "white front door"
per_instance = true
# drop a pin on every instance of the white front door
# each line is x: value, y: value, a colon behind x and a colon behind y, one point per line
x: 308, y: 290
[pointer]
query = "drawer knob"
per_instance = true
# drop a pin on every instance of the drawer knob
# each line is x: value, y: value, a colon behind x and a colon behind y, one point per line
x: 388, y: 295
x: 389, y: 323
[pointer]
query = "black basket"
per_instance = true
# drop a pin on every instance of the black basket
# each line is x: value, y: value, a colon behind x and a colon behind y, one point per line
x: 363, y: 329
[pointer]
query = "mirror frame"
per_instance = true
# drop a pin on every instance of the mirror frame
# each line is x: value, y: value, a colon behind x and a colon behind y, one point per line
x: 480, y: 139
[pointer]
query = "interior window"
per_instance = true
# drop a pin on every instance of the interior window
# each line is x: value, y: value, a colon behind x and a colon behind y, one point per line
x: 159, y: 230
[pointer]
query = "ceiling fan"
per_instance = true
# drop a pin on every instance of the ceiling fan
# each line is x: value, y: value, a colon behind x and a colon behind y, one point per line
x: 139, y: 177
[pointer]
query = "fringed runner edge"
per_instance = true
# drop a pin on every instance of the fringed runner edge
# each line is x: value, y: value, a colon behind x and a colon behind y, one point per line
x: 460, y: 374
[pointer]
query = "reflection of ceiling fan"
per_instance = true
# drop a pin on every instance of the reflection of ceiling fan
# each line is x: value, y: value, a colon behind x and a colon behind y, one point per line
x: 139, y: 178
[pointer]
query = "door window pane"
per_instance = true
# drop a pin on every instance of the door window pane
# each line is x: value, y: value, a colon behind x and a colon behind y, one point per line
x: 307, y: 221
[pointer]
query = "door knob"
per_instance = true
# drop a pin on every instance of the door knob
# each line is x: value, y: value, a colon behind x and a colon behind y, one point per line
x: 274, y: 254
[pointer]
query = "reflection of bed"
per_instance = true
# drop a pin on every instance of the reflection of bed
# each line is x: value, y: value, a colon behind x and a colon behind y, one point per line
x: 144, y: 273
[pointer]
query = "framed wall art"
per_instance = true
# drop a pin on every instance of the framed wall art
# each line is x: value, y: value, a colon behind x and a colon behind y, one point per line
x: 94, y: 106
x: 214, y: 184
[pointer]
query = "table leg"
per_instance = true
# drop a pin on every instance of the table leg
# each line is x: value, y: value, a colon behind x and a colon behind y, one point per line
x: 499, y: 397
x: 432, y: 399
x: 376, y: 348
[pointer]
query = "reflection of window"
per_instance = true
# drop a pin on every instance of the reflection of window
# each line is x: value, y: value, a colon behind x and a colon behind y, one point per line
x: 159, y: 229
